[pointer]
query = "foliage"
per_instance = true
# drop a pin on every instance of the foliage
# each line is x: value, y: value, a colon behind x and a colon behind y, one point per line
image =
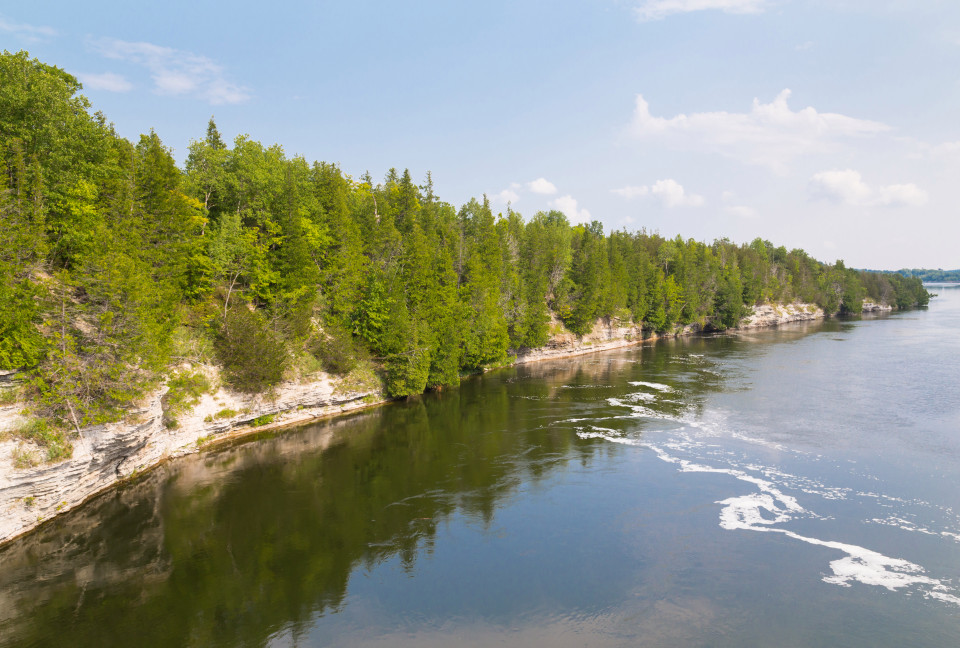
x: 184, y: 390
x: 253, y: 356
x: 39, y: 431
x: 116, y: 265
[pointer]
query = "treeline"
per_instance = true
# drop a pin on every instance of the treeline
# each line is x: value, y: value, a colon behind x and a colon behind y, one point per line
x: 116, y: 265
x: 933, y: 276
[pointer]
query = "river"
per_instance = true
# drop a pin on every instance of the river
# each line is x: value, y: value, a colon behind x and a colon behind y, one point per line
x: 788, y: 487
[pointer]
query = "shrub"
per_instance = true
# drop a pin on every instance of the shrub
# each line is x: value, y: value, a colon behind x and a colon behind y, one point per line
x: 183, y: 393
x: 336, y: 350
x: 266, y: 419
x: 55, y: 441
x: 254, y: 357
x: 23, y: 458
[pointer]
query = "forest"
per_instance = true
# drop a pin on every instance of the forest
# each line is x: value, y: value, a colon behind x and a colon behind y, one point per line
x: 118, y: 269
x: 926, y: 275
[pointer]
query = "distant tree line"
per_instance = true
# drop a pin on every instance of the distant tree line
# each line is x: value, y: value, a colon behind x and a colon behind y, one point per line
x: 116, y: 265
x: 926, y: 276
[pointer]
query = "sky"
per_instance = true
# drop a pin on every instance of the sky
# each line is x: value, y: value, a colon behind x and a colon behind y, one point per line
x: 827, y: 125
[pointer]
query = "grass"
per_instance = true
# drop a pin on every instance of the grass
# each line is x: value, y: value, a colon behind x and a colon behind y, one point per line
x: 24, y: 458
x: 304, y: 366
x: 9, y: 395
x: 266, y: 419
x: 55, y: 441
x: 361, y: 378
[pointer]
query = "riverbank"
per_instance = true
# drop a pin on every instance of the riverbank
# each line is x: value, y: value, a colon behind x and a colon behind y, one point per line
x: 107, y: 455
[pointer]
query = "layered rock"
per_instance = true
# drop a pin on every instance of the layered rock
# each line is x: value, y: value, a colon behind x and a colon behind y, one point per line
x: 606, y: 334
x: 779, y: 314
x: 107, y: 454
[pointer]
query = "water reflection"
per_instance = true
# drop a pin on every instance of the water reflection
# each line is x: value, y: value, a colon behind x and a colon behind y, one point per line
x: 253, y: 543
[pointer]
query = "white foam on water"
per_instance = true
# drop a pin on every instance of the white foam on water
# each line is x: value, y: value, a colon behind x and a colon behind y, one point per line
x: 641, y: 396
x: 905, y: 525
x: 606, y: 434
x: 652, y: 385
x: 769, y: 506
x: 862, y: 565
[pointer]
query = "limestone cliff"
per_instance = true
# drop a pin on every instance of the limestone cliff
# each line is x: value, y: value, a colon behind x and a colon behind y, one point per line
x: 107, y: 454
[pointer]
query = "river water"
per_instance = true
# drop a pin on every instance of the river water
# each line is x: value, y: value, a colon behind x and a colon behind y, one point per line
x: 791, y: 487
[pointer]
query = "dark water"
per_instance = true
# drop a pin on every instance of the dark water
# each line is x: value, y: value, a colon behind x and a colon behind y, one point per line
x: 796, y: 487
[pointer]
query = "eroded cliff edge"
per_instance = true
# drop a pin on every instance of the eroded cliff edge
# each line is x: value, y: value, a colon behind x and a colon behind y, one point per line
x: 105, y: 455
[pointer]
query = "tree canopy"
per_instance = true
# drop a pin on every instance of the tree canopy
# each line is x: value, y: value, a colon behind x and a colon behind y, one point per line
x: 110, y: 255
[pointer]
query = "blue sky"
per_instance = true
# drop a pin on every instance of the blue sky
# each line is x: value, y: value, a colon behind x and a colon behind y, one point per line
x: 827, y: 125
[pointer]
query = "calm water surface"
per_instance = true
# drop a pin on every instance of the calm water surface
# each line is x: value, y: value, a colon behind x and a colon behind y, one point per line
x: 795, y: 487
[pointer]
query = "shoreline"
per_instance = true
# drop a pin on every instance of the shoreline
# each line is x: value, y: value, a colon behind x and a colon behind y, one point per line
x: 109, y: 456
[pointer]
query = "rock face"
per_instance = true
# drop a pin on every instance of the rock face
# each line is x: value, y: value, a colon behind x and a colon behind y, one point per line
x: 873, y: 307
x: 606, y: 334
x: 107, y: 454
x: 777, y: 314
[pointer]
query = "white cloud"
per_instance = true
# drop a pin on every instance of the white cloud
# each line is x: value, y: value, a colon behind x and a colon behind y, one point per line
x: 658, y: 9
x: 672, y: 194
x: 568, y: 205
x: 847, y: 187
x: 176, y: 72
x: 770, y: 134
x: 632, y: 192
x: 30, y: 33
x: 902, y: 194
x: 505, y: 196
x: 803, y: 47
x: 107, y: 81
x: 542, y: 186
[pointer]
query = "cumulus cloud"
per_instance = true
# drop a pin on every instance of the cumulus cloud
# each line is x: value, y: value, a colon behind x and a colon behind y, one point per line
x: 847, y: 187
x: 505, y: 196
x: 176, y: 72
x: 659, y: 9
x: 30, y: 33
x: 542, y: 186
x: 770, y: 134
x: 568, y: 205
x: 107, y: 81
x: 670, y: 193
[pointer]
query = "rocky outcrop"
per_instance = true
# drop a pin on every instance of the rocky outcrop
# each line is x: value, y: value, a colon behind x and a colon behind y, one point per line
x: 779, y: 314
x: 107, y: 454
x: 606, y: 334
x: 873, y: 307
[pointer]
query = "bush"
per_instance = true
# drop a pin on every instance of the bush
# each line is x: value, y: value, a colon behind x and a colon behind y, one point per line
x: 254, y: 357
x: 336, y: 350
x: 43, y: 434
x: 266, y: 419
x: 183, y: 393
